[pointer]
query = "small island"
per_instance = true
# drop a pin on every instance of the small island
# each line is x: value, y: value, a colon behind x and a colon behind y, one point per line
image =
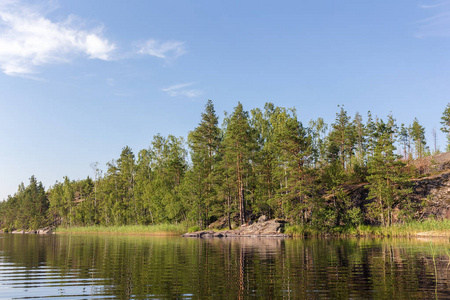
x: 260, y: 170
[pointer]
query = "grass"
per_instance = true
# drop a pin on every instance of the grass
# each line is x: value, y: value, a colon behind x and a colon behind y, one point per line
x: 427, y: 228
x: 431, y: 228
x: 160, y: 229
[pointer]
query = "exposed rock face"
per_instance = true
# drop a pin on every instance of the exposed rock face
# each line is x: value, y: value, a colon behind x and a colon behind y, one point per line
x: 262, y: 228
x: 262, y: 219
x: 435, y: 163
x: 221, y: 223
x: 46, y: 230
x: 435, y: 192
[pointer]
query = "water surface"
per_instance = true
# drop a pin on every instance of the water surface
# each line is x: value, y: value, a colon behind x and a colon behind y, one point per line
x: 90, y: 266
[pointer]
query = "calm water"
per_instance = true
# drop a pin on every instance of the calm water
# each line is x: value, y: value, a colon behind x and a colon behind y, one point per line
x: 86, y: 267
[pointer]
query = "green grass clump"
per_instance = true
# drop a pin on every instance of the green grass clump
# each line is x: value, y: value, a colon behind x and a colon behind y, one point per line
x: 160, y: 229
x: 428, y: 227
x: 194, y: 228
x: 301, y: 230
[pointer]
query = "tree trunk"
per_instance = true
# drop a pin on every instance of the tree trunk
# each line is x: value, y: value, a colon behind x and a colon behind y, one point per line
x: 241, y: 205
x: 228, y: 213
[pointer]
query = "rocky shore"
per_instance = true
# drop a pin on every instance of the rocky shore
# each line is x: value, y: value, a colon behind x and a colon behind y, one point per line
x: 46, y: 230
x: 261, y: 228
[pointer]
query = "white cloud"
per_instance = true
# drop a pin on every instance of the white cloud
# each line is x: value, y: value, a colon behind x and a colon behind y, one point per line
x: 111, y: 81
x: 179, y: 90
x: 165, y: 50
x: 177, y: 87
x: 439, y: 23
x: 28, y: 39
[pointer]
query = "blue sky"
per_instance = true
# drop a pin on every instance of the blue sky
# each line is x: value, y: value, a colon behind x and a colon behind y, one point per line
x: 79, y: 80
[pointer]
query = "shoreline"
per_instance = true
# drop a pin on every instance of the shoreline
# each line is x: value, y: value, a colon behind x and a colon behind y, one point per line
x: 149, y: 230
x: 427, y: 228
x: 424, y: 229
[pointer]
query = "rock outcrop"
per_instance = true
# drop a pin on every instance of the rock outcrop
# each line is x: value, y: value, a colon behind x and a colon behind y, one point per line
x: 261, y: 228
x: 434, y: 193
x: 46, y: 230
x: 431, y: 193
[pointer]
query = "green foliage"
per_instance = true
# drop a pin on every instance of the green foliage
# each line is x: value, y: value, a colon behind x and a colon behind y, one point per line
x: 343, y: 137
x: 265, y: 162
x: 418, y: 136
x: 27, y: 209
x: 194, y: 228
x: 239, y: 152
x: 445, y: 121
x: 388, y: 183
x: 204, y: 142
x: 160, y: 229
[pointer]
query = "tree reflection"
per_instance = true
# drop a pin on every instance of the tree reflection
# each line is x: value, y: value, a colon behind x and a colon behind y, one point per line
x: 143, y: 267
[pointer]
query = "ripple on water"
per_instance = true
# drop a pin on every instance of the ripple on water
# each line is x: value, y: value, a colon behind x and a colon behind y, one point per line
x: 132, y: 267
x: 18, y: 282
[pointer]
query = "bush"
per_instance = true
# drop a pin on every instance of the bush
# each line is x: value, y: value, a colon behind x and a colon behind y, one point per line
x: 194, y: 228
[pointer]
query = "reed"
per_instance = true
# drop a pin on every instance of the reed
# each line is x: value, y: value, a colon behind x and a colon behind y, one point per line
x: 160, y: 229
x: 432, y: 228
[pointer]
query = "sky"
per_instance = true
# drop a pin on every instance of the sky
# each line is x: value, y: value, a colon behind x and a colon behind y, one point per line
x: 80, y: 80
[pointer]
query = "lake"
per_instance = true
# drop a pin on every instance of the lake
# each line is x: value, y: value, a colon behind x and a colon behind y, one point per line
x: 140, y: 267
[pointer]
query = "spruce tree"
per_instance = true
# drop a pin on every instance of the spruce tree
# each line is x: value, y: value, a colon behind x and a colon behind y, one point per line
x: 204, y: 142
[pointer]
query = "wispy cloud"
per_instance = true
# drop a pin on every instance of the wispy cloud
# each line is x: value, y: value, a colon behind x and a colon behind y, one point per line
x: 179, y: 90
x: 29, y: 39
x: 438, y: 24
x: 165, y: 50
x: 111, y: 81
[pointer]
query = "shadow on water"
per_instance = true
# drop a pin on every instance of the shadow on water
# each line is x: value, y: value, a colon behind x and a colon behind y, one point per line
x: 161, y: 267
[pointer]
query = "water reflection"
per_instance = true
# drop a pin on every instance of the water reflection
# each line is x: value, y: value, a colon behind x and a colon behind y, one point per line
x: 154, y: 267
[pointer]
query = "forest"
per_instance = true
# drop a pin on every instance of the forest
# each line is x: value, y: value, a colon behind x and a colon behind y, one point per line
x: 257, y: 162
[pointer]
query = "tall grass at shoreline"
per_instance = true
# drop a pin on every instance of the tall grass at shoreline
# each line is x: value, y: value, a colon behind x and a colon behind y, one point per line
x: 432, y: 228
x: 160, y: 229
x: 425, y: 228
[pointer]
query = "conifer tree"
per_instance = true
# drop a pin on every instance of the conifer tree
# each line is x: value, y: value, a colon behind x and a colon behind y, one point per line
x: 292, y: 146
x: 342, y: 136
x: 318, y: 129
x: 445, y: 121
x: 418, y: 136
x: 388, y: 184
x: 127, y: 173
x: 371, y: 125
x: 239, y: 146
x: 265, y: 160
x: 403, y: 137
x: 204, y: 142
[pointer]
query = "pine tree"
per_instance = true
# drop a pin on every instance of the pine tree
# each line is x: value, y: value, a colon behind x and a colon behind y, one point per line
x: 418, y: 136
x: 239, y: 146
x: 127, y: 173
x: 445, y: 121
x: 204, y: 142
x: 371, y: 126
x: 342, y: 136
x: 265, y: 160
x: 292, y: 146
x: 403, y: 139
x: 317, y: 131
x: 388, y: 183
